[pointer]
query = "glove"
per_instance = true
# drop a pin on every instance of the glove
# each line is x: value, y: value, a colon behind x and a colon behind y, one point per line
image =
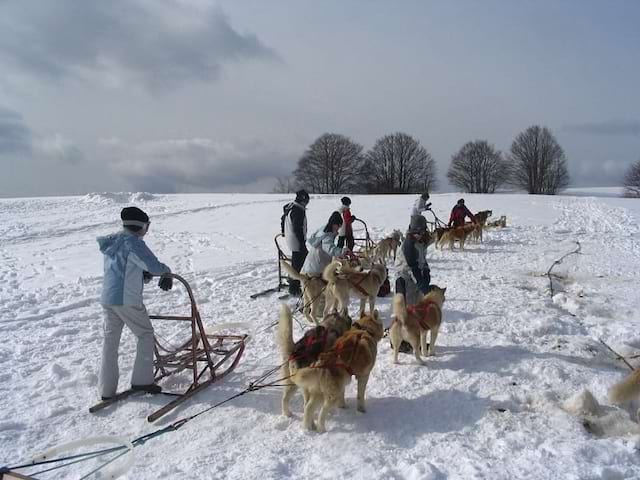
x: 428, y: 206
x: 146, y: 277
x: 165, y: 283
x: 353, y: 217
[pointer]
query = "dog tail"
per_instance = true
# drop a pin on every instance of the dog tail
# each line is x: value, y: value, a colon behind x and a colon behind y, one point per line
x: 399, y: 308
x: 292, y: 271
x: 285, y: 333
x: 330, y: 272
x: 626, y: 390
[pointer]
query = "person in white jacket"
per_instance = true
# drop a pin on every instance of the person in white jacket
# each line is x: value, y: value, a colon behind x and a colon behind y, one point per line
x: 420, y: 205
x: 322, y: 247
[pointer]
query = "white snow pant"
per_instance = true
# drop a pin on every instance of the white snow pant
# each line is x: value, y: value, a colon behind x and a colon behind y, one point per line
x: 137, y: 319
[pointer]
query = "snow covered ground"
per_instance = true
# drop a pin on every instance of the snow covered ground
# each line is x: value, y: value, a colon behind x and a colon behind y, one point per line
x: 498, y: 401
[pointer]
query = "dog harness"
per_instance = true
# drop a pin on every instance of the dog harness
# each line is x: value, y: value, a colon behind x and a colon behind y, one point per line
x: 421, y: 311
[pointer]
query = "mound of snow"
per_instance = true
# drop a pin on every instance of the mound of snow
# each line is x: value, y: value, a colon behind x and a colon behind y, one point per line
x: 118, y: 197
x: 582, y: 403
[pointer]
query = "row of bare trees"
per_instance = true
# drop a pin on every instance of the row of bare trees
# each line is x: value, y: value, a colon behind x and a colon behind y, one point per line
x: 536, y: 163
x: 398, y: 163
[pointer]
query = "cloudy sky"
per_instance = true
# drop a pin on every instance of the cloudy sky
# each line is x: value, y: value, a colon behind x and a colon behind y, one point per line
x: 197, y: 95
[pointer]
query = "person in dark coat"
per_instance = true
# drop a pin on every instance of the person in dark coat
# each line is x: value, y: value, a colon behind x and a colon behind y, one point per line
x: 345, y: 234
x: 459, y: 213
x: 294, y: 228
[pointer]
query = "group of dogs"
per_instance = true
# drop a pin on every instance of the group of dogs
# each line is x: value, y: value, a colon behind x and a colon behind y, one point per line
x: 323, y: 361
x: 448, y: 236
x: 442, y: 236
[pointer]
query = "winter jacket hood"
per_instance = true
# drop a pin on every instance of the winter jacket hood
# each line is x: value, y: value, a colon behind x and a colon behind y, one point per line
x: 126, y: 257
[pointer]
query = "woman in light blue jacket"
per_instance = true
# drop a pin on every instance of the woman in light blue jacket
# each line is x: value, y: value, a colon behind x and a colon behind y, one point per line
x: 322, y: 247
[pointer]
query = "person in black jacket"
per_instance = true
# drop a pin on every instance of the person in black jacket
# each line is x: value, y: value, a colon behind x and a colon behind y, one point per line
x: 294, y: 228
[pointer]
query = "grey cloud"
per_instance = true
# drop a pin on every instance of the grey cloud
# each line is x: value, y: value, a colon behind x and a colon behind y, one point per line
x: 59, y: 148
x: 161, y: 44
x: 197, y: 164
x: 611, y: 127
x: 15, y: 136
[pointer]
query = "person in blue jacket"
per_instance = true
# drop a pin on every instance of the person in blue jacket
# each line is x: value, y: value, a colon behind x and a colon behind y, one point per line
x: 127, y: 263
x: 322, y: 247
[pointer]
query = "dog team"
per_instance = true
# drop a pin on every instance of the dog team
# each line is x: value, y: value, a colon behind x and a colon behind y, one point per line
x: 323, y: 361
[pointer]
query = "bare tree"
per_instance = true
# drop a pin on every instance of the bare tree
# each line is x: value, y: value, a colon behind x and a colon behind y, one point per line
x: 632, y: 181
x: 477, y: 168
x: 332, y: 164
x: 399, y: 164
x: 537, y: 162
x: 284, y: 185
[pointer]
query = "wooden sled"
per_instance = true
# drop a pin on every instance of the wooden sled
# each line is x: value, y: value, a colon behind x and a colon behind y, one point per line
x: 210, y: 357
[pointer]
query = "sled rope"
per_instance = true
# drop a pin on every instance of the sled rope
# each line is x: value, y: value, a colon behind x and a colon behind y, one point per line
x: 253, y: 386
x: 618, y: 356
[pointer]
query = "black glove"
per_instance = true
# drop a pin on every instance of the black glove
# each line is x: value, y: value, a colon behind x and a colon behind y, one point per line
x: 353, y: 218
x: 428, y: 206
x: 165, y: 283
x: 146, y: 277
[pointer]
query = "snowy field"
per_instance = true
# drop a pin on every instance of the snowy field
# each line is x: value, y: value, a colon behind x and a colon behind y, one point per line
x: 501, y: 399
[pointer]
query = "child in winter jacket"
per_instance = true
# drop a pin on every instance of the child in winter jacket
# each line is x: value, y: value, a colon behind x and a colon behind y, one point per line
x: 345, y: 233
x: 127, y: 261
x: 322, y: 248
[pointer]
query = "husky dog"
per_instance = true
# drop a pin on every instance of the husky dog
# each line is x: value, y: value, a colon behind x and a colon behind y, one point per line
x: 387, y: 246
x: 324, y: 381
x: 457, y: 233
x: 482, y: 216
x: 313, y: 292
x: 626, y: 390
x: 342, y: 278
x: 412, y: 323
x: 304, y: 353
x: 501, y: 222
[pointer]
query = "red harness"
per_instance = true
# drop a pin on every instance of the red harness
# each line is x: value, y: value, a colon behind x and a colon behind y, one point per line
x: 421, y: 311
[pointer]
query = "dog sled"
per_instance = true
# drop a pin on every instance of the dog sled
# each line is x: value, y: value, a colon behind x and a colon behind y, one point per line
x: 208, y: 357
x: 363, y: 245
x: 283, y: 280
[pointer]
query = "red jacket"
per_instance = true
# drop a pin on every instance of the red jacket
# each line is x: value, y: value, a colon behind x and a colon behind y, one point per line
x: 346, y: 230
x: 458, y: 214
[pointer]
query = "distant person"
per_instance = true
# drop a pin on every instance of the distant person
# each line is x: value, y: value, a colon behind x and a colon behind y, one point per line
x: 421, y: 204
x: 127, y: 263
x: 414, y: 275
x: 322, y: 247
x: 459, y: 213
x: 294, y: 229
x: 345, y: 234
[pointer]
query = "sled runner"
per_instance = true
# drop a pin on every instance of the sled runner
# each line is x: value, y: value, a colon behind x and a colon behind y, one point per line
x: 209, y: 357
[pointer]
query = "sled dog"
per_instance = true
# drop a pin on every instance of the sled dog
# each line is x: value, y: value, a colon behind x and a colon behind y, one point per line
x: 501, y: 222
x: 457, y: 233
x: 313, y: 292
x: 342, y: 278
x: 324, y: 381
x: 412, y: 323
x: 626, y: 390
x: 388, y: 245
x: 296, y: 356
